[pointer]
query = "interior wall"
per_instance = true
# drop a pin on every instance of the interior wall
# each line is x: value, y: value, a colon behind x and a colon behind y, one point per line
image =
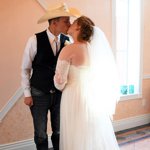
x: 18, y: 21
x: 146, y: 36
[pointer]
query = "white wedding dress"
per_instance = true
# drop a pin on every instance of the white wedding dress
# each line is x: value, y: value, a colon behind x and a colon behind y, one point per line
x: 83, y: 124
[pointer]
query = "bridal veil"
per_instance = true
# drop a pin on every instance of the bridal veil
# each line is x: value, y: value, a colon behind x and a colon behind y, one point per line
x: 104, y: 82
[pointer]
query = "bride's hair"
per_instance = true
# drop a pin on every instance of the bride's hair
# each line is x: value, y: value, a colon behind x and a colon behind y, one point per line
x: 86, y: 28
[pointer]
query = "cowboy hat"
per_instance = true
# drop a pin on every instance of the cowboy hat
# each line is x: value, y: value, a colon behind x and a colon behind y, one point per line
x: 60, y: 10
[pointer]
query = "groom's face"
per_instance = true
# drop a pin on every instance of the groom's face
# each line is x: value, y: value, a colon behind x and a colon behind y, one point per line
x: 63, y: 24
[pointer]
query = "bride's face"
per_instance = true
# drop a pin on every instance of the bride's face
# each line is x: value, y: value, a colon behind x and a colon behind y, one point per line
x: 74, y: 29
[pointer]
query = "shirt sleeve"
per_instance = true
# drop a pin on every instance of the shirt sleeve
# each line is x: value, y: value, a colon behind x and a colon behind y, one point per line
x: 61, y: 74
x: 26, y: 68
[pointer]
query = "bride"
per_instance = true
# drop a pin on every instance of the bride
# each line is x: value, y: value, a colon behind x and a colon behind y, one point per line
x: 86, y: 74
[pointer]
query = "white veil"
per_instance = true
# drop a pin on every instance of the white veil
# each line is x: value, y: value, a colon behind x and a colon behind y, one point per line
x: 104, y: 84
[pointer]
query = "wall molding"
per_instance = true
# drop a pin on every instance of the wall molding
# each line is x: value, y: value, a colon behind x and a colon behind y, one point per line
x: 22, y: 145
x: 131, y: 122
x: 118, y: 125
x: 10, y: 103
x: 42, y: 3
x: 146, y: 76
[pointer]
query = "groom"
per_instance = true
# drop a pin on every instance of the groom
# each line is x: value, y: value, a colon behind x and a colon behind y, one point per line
x: 40, y: 57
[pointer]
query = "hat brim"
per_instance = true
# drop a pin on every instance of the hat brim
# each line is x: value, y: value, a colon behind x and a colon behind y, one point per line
x: 72, y: 12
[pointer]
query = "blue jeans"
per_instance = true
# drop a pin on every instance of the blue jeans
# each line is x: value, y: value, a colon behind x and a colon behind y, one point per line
x: 42, y: 103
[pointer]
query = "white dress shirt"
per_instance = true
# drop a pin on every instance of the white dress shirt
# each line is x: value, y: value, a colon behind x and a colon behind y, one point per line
x: 28, y: 57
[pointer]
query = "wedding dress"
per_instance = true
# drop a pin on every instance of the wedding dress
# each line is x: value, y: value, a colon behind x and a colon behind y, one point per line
x: 84, y: 122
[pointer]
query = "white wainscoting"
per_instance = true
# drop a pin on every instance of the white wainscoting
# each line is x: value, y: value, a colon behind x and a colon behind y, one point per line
x: 22, y: 145
x: 131, y: 122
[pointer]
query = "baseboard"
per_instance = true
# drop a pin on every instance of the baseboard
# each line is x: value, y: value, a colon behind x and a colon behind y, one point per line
x: 131, y: 122
x: 22, y: 145
x: 118, y: 125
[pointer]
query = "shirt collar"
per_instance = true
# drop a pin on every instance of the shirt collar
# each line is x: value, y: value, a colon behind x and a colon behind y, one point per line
x: 52, y: 36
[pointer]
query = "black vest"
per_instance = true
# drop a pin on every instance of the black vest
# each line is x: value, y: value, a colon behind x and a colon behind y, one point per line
x: 44, y: 63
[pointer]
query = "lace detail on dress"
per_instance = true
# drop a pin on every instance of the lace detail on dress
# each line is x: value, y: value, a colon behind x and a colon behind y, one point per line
x: 61, y: 74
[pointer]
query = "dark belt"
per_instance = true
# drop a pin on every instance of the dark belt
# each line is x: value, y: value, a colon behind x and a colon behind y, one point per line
x: 37, y: 92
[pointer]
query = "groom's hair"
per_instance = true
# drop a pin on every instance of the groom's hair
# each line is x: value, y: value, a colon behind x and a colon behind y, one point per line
x: 86, y: 28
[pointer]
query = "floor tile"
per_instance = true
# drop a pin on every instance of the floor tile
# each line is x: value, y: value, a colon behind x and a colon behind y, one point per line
x: 134, y: 139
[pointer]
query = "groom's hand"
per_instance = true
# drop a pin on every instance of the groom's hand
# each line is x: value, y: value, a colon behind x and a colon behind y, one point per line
x: 28, y: 101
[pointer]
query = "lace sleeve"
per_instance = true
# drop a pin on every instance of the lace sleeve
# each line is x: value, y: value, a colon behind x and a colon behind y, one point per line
x: 61, y: 74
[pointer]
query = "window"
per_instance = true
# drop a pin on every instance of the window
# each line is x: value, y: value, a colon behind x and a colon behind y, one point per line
x: 127, y: 27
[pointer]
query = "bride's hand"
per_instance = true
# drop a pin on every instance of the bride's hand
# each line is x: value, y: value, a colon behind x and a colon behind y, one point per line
x: 57, y: 78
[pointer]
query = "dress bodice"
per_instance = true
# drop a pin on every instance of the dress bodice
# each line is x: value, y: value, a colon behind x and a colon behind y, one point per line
x: 67, y: 74
x: 77, y: 73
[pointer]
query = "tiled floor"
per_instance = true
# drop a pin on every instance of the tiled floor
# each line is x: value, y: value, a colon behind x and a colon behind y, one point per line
x: 134, y: 139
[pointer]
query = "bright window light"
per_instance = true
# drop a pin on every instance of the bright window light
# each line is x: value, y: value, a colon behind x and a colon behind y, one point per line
x: 128, y: 45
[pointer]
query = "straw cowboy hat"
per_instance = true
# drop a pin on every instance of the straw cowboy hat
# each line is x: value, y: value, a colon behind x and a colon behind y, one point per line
x: 61, y: 10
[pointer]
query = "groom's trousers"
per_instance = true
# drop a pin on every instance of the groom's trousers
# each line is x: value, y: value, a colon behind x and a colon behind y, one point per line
x: 42, y: 103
